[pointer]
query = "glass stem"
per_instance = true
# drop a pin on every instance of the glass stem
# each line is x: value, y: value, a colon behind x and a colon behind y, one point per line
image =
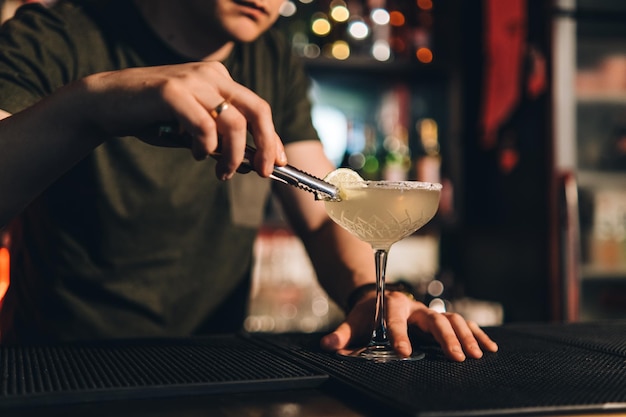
x: 379, y: 335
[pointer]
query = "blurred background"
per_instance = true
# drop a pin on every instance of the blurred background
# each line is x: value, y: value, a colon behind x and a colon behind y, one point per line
x: 517, y: 107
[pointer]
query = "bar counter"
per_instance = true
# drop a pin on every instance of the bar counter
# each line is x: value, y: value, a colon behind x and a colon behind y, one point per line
x: 541, y: 369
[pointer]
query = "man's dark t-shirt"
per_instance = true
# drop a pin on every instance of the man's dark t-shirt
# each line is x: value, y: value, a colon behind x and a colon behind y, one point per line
x: 136, y: 240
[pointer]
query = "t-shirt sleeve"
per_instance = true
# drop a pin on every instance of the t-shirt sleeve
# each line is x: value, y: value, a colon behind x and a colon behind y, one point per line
x: 34, y: 57
x: 299, y: 124
x: 295, y: 112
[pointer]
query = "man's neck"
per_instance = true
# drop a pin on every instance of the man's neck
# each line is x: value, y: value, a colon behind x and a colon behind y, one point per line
x: 170, y: 22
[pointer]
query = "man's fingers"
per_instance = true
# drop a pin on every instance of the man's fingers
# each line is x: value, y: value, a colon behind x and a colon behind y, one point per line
x: 338, y: 339
x: 483, y: 338
x: 258, y: 115
x: 398, y: 308
x: 456, y: 336
x: 473, y: 339
x: 440, y: 328
x: 243, y: 111
x: 231, y: 126
x: 464, y: 335
x: 355, y: 330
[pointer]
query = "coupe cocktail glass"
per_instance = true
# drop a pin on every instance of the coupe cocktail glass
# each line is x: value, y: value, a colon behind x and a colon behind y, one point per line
x: 382, y: 213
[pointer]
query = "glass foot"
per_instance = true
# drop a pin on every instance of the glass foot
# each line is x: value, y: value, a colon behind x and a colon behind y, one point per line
x: 377, y: 353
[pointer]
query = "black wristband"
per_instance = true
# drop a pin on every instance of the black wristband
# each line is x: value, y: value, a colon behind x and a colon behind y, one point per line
x: 360, y: 291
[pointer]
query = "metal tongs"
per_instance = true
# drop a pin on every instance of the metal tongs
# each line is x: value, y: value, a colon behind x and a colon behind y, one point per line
x: 286, y: 174
x: 293, y: 176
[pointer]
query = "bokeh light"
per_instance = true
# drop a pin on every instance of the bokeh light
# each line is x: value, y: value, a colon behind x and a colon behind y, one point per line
x: 320, y: 24
x: 288, y: 9
x: 381, y: 51
x: 396, y: 18
x: 380, y: 16
x: 425, y: 4
x: 424, y: 55
x: 358, y: 29
x: 340, y: 50
x: 339, y: 12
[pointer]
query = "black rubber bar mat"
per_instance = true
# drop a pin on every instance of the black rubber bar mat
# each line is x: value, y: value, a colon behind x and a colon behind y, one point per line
x: 603, y: 336
x: 538, y: 370
x: 113, y: 370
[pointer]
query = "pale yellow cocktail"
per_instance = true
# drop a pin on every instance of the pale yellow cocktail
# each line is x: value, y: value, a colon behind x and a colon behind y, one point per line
x: 384, y: 212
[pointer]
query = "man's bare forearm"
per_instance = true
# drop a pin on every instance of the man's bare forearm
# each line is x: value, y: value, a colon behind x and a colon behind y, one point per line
x: 341, y: 261
x: 38, y: 145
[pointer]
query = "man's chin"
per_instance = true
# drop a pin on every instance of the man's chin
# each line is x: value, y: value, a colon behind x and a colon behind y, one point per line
x: 245, y: 30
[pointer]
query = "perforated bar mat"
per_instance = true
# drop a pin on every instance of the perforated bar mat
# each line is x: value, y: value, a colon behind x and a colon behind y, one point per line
x: 607, y: 336
x: 80, y: 372
x: 539, y: 369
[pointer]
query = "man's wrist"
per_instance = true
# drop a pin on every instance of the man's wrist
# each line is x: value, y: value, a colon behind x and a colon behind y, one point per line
x: 361, y: 291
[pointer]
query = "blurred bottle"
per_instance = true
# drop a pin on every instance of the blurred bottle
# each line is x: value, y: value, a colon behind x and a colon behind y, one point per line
x: 428, y: 163
x: 371, y: 161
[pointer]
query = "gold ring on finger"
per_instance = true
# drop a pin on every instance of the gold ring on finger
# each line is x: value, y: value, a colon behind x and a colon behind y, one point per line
x: 219, y: 109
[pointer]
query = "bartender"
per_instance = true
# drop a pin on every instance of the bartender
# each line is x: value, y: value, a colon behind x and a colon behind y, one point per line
x: 117, y: 231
